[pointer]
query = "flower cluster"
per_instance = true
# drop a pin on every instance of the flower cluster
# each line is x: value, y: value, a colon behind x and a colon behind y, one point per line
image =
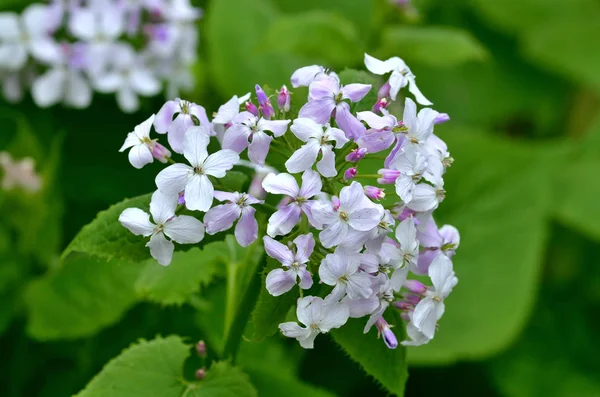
x: 361, y: 244
x: 65, y: 50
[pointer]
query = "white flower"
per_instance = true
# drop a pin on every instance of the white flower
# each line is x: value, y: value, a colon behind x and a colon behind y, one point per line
x: 317, y: 141
x: 354, y: 212
x: 411, y: 164
x: 141, y: 145
x: 417, y: 338
x: 182, y: 229
x: 128, y: 77
x: 401, y: 76
x: 226, y: 114
x: 318, y: 316
x: 427, y: 197
x: 419, y: 126
x: 99, y: 27
x: 431, y: 308
x: 341, y: 270
x: 26, y: 34
x: 406, y: 234
x: 193, y: 179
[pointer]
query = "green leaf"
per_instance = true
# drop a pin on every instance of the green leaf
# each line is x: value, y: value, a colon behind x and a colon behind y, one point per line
x: 149, y: 368
x: 498, y: 196
x: 154, y: 368
x: 237, y: 53
x: 387, y: 366
x: 270, y: 311
x: 270, y: 383
x: 222, y: 380
x: 237, y: 181
x: 324, y: 37
x: 107, y: 239
x: 434, y: 46
x: 187, y: 274
x: 579, y: 207
x: 79, y: 298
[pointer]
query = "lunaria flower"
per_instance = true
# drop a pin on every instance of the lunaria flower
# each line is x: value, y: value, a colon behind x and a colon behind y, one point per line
x: 280, y: 281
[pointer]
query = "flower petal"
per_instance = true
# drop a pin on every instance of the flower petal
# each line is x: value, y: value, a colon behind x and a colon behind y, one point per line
x: 140, y: 155
x: 164, y: 117
x: 278, y: 251
x: 161, y: 249
x: 172, y: 180
x: 246, y: 230
x: 326, y: 165
x: 136, y: 221
x: 311, y: 184
x: 185, y: 229
x: 281, y: 184
x: 217, y: 164
x: 221, y: 217
x: 195, y: 145
x: 305, y: 244
x: 355, y: 92
x: 305, y: 128
x: 236, y: 138
x: 199, y: 193
x: 333, y: 234
x: 279, y: 281
x: 304, y: 158
x: 283, y: 220
x: 162, y: 206
x: 318, y: 110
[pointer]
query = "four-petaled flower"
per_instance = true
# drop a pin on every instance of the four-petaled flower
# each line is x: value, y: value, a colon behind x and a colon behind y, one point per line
x: 193, y: 178
x: 280, y: 281
x: 182, y: 229
x: 188, y: 114
x: 222, y: 217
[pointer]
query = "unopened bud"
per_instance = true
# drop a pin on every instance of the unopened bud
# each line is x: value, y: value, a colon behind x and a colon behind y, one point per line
x: 251, y: 107
x: 160, y: 152
x: 384, y: 91
x: 200, y: 373
x: 374, y: 192
x: 386, y: 333
x: 181, y: 199
x: 403, y: 305
x: 336, y: 202
x: 412, y: 299
x: 387, y: 176
x: 201, y: 348
x: 441, y: 118
x: 260, y: 95
x: 407, y: 213
x: 356, y: 155
x: 415, y: 287
x: 381, y: 103
x: 350, y: 173
x: 283, y: 99
x: 264, y: 104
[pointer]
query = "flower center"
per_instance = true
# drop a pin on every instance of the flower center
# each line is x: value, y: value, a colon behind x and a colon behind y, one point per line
x: 344, y: 216
x: 198, y: 170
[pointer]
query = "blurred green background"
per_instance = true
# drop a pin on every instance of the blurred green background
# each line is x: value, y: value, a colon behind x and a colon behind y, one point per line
x: 521, y: 82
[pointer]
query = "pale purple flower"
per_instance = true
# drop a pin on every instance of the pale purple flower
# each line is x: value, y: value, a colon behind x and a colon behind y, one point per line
x: 318, y: 316
x: 427, y: 197
x: 317, y: 142
x: 436, y: 242
x: 419, y: 127
x: 248, y: 131
x: 304, y: 76
x: 27, y: 34
x: 143, y: 149
x: 355, y: 212
x: 401, y: 76
x: 222, y: 217
x: 356, y: 155
x: 341, y: 270
x: 225, y: 115
x: 182, y: 229
x: 431, y: 308
x: 441, y: 118
x: 284, y: 219
x: 374, y: 192
x: 326, y: 99
x: 350, y: 173
x: 193, y: 178
x: 251, y: 108
x: 280, y: 281
x: 186, y: 114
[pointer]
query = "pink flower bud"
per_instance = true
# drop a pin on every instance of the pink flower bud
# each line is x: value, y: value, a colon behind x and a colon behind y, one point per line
x: 350, y: 173
x: 403, y: 305
x: 200, y: 373
x: 160, y: 152
x: 441, y: 118
x: 181, y: 199
x: 386, y: 333
x: 387, y: 176
x: 384, y: 91
x: 201, y: 348
x: 356, y: 155
x: 336, y: 203
x: 381, y: 103
x: 283, y: 99
x: 415, y: 287
x: 406, y: 213
x: 374, y: 192
x: 264, y: 103
x: 412, y: 299
x: 251, y: 107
